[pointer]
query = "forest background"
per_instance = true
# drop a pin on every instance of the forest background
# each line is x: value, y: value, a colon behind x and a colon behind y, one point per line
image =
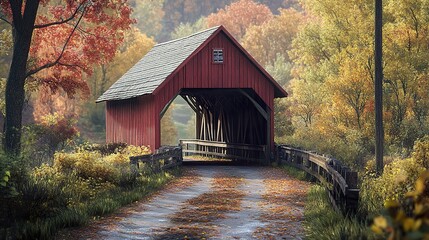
x: 320, y: 51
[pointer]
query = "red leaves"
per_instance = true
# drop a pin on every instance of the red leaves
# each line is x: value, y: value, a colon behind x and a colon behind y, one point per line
x: 74, y: 47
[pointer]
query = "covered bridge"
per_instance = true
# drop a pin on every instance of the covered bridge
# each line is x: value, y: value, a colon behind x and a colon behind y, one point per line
x: 231, y: 94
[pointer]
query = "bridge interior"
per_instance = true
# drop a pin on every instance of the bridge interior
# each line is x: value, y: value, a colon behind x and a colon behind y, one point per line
x: 229, y: 122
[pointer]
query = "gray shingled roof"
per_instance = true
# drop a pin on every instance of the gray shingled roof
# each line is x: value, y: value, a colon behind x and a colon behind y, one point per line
x: 148, y: 73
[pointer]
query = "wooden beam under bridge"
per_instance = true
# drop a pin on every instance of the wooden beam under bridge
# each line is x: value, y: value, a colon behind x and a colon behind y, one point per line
x: 232, y: 116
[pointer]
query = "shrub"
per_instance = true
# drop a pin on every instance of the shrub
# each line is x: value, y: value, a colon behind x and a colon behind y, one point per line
x: 409, y: 218
x: 397, y: 179
x: 86, y: 165
x: 421, y: 151
x: 105, y: 149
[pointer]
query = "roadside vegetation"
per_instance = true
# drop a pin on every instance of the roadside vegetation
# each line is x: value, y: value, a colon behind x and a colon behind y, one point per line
x: 393, y: 204
x: 81, y: 185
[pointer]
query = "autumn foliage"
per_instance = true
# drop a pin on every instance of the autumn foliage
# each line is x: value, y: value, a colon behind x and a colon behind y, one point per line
x: 56, y: 45
x: 409, y: 220
x: 238, y: 16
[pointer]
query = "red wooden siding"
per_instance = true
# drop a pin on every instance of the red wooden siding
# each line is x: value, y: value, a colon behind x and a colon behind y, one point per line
x: 137, y: 122
x: 237, y: 71
x: 133, y: 121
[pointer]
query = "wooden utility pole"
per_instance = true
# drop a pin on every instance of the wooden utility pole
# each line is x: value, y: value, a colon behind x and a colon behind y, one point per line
x: 379, y: 132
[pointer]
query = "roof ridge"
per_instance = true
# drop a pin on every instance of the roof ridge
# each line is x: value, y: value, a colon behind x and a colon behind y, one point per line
x: 192, y: 35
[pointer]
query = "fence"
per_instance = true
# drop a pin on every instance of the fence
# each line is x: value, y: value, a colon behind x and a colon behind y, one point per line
x: 339, y: 181
x: 164, y: 158
x: 234, y: 151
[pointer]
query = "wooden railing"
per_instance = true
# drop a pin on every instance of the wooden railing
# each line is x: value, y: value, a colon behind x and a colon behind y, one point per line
x: 240, y: 152
x: 164, y: 158
x: 339, y: 181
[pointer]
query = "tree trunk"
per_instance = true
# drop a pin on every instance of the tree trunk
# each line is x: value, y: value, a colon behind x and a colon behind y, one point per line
x: 15, y: 93
x: 23, y: 27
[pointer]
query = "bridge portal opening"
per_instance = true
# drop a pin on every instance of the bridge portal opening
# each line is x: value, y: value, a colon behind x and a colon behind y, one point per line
x: 229, y: 122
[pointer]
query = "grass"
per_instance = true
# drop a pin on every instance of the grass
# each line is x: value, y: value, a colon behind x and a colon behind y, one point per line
x: 296, y: 173
x: 45, y: 228
x: 321, y: 220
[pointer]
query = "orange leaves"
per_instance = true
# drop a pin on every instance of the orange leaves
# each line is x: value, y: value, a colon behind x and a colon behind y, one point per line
x: 283, y: 204
x: 238, y: 16
x: 49, y: 102
x: 265, y: 41
x: 201, y: 211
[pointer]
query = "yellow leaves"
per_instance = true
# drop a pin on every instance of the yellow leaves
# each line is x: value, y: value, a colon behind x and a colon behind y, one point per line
x: 391, y: 204
x: 407, y: 220
x: 376, y: 229
x: 410, y: 224
x: 273, y: 37
x: 380, y: 222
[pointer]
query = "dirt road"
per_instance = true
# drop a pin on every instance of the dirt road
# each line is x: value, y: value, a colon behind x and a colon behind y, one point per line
x: 211, y: 202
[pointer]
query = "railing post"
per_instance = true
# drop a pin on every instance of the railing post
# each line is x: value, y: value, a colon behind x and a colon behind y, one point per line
x: 352, y: 197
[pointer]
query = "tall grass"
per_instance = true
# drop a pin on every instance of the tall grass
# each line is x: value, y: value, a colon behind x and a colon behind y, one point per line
x: 322, y: 222
x: 106, y: 203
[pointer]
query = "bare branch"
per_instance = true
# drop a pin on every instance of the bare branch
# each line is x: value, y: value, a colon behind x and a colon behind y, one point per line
x: 62, y: 21
x: 51, y: 64
x: 70, y: 65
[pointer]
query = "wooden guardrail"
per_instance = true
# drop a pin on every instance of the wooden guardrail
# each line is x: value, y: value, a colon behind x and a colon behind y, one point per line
x: 243, y: 152
x: 339, y: 181
x: 164, y: 158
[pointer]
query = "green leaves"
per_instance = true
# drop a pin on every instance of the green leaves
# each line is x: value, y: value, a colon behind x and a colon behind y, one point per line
x: 5, y: 179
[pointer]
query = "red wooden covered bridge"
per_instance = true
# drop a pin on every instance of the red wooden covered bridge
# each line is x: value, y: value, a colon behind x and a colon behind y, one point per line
x: 231, y: 94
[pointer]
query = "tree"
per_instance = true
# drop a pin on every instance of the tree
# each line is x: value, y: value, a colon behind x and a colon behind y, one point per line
x: 66, y: 38
x: 273, y: 37
x: 149, y: 15
x: 92, y: 120
x: 239, y: 16
x: 187, y: 11
x: 186, y: 29
x: 306, y: 101
x: 135, y: 45
x: 5, y: 48
x: 169, y: 134
x: 277, y: 5
x: 335, y: 50
x: 280, y: 70
x: 50, y: 102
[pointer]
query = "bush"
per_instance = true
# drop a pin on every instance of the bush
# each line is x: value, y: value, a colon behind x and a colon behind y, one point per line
x: 421, y: 151
x: 105, y: 149
x: 66, y: 193
x: 408, y: 218
x: 397, y: 179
